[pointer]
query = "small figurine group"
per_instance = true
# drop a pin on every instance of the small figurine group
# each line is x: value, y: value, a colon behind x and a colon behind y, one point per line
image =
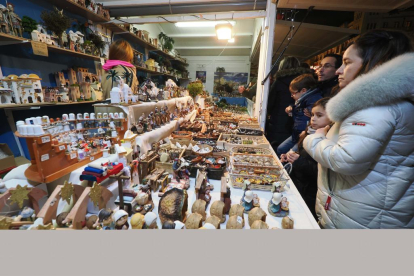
x: 109, y: 220
x: 154, y: 120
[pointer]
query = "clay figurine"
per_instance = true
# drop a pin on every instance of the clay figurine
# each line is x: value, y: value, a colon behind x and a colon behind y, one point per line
x: 168, y: 224
x: 278, y: 206
x: 16, y: 22
x: 121, y: 220
x: 4, y: 24
x: 150, y: 221
x: 143, y: 199
x: 27, y: 214
x: 247, y: 201
x: 105, y: 219
x: 137, y: 221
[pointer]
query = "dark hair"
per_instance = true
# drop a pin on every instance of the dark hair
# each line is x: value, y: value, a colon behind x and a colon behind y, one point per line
x: 379, y: 46
x: 303, y: 81
x: 289, y: 63
x: 338, y: 59
x: 321, y: 102
x: 305, y: 65
x: 104, y: 214
x: 168, y: 224
x: 121, y: 50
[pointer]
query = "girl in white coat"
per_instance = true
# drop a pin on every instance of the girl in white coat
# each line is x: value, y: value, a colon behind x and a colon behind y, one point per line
x: 366, y: 160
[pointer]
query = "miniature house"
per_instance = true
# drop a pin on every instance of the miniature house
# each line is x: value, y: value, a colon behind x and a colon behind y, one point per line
x: 31, y: 88
x: 72, y: 76
x: 50, y: 94
x: 11, y: 83
x: 60, y: 79
x: 5, y: 95
x: 39, y: 34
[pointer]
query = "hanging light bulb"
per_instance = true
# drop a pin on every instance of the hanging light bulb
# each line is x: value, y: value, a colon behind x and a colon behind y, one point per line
x: 224, y: 31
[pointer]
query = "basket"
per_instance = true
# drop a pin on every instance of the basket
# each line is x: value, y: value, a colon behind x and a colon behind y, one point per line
x: 262, y: 187
x: 249, y: 150
x: 250, y: 130
x: 182, y: 135
x: 207, y: 148
x: 212, y: 173
x: 257, y: 141
x: 273, y: 166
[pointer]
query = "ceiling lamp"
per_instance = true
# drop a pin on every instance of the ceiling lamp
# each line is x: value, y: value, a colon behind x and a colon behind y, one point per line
x: 231, y: 40
x: 224, y: 31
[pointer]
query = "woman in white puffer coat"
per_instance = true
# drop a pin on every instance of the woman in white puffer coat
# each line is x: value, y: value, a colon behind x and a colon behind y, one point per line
x: 366, y: 160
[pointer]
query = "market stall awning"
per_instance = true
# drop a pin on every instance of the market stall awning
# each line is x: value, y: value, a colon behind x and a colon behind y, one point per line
x: 310, y: 40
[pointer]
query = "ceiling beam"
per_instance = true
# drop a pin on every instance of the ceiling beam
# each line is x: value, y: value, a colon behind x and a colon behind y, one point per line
x: 134, y: 3
x: 190, y: 18
x: 204, y: 35
x: 210, y: 47
x: 285, y: 24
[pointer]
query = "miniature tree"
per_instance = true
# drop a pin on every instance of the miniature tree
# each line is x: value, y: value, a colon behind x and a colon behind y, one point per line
x: 55, y: 21
x: 29, y: 24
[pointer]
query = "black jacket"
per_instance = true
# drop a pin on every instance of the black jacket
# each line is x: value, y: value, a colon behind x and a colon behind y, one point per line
x: 279, y: 124
x: 305, y: 177
x: 325, y: 87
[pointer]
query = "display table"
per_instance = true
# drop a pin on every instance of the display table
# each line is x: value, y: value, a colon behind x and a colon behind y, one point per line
x: 241, y: 101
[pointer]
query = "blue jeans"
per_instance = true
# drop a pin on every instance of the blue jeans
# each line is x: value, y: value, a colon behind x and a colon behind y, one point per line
x: 285, y: 146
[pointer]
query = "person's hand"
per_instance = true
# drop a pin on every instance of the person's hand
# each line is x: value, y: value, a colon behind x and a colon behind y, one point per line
x: 323, y: 131
x: 292, y: 156
x: 288, y: 109
x: 303, y: 133
x: 283, y: 158
x: 307, y: 113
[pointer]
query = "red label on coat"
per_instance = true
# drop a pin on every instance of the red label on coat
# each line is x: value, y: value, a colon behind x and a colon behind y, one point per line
x: 328, y: 203
x: 358, y: 124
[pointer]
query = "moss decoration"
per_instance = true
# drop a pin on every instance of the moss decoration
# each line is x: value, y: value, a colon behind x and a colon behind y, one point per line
x: 29, y: 24
x: 195, y: 88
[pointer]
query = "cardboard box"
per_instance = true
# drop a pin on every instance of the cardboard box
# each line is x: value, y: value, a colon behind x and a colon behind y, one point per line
x: 8, y: 162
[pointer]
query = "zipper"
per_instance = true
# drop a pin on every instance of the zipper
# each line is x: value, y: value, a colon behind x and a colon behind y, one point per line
x: 328, y: 200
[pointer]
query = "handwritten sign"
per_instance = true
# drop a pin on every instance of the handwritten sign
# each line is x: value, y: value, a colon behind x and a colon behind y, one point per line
x: 44, y: 157
x: 45, y: 139
x: 62, y: 147
x: 40, y: 48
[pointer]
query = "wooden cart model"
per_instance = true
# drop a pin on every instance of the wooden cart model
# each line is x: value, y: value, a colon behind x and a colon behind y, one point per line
x: 147, y: 165
x: 32, y: 200
x: 49, y: 210
x: 78, y: 213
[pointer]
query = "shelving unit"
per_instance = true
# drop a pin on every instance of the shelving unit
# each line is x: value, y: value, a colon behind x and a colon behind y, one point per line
x: 75, y: 8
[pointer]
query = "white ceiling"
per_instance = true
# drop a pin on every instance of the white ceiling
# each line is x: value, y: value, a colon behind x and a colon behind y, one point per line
x: 203, y: 41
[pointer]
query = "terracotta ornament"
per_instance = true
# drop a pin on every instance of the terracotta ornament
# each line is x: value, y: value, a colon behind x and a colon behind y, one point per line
x: 217, y: 209
x: 287, y: 223
x: 199, y: 207
x: 256, y: 214
x: 121, y: 220
x: 235, y: 222
x: 150, y: 220
x: 137, y: 221
x: 259, y: 224
x: 194, y: 221
x: 214, y: 221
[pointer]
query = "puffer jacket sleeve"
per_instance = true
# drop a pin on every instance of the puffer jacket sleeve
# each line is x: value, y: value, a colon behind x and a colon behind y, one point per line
x: 361, y: 139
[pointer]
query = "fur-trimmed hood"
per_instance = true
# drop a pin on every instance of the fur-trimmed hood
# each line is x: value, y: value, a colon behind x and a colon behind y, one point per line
x: 293, y: 72
x: 388, y: 83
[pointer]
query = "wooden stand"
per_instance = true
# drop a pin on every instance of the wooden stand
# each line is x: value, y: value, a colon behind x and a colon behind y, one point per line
x: 79, y: 210
x: 121, y: 178
x: 49, y: 210
x: 153, y: 179
x: 145, y: 167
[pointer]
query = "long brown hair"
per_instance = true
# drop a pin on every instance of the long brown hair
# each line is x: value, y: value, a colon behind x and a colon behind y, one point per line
x: 121, y: 50
x: 322, y: 102
x: 379, y: 46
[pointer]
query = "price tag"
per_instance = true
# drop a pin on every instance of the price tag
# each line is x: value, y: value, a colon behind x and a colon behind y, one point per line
x: 92, y: 158
x: 239, y: 219
x: 40, y: 48
x: 196, y: 148
x: 44, y: 157
x: 72, y: 155
x: 45, y: 139
x: 62, y: 147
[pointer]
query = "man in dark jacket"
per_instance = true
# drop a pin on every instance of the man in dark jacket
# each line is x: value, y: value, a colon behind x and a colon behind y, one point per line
x: 327, y: 78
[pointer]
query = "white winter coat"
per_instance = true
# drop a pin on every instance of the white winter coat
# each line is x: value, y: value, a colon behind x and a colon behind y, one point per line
x: 368, y: 155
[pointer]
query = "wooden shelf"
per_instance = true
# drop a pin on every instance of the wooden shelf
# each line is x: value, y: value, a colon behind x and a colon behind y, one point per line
x: 118, y: 30
x: 60, y: 50
x: 11, y: 39
x: 75, y: 8
x: 139, y: 68
x: 169, y: 56
x: 46, y: 104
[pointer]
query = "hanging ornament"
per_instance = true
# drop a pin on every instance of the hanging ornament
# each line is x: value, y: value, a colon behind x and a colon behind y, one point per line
x: 19, y: 195
x: 95, y: 193
x: 67, y: 191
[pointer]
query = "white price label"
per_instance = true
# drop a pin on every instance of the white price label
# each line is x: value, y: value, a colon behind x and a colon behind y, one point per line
x: 45, y: 139
x: 72, y: 155
x: 196, y: 148
x: 239, y: 219
x: 44, y: 157
x: 178, y: 145
x: 92, y: 158
x: 62, y: 147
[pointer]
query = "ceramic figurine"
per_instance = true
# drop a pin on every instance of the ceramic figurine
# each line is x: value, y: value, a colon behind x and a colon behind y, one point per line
x: 27, y: 214
x: 106, y: 220
x: 143, y: 200
x: 15, y: 21
x: 121, y: 220
x: 247, y: 201
x: 157, y: 117
x: 150, y: 221
x: 278, y: 206
x: 137, y: 221
x: 168, y: 224
x: 287, y: 223
x: 4, y: 22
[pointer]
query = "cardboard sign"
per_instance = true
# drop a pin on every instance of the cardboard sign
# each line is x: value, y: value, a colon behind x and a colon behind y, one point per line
x: 40, y: 48
x: 72, y: 155
x: 62, y: 147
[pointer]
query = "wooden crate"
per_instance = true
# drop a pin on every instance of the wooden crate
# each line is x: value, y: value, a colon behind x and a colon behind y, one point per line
x: 228, y: 146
